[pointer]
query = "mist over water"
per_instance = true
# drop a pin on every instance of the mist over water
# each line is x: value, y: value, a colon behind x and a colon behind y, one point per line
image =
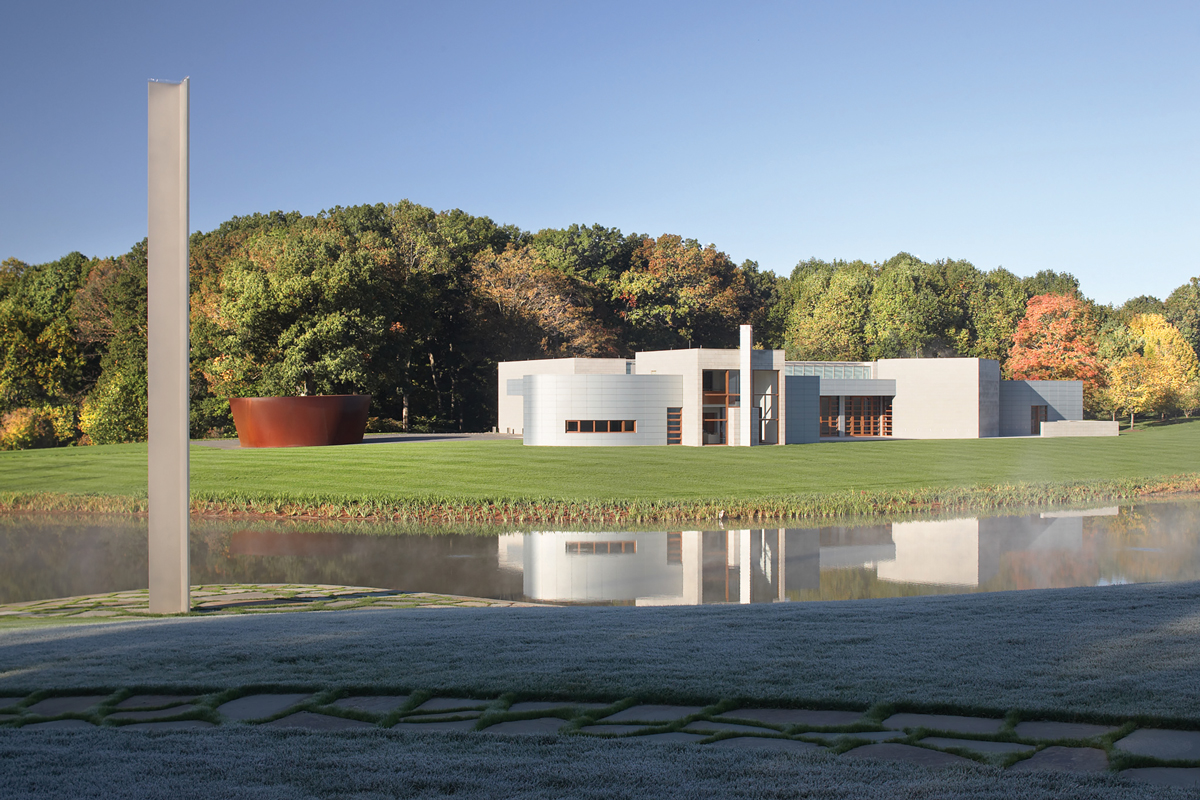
x: 47, y: 556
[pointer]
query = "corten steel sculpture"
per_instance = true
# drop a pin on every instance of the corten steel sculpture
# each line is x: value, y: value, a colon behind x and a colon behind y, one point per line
x: 300, y: 421
x: 167, y: 334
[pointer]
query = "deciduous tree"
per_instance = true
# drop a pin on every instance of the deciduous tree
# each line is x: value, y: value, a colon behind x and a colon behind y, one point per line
x: 1182, y: 309
x: 677, y: 294
x: 1170, y: 363
x: 1056, y: 340
x: 829, y: 312
x: 542, y: 311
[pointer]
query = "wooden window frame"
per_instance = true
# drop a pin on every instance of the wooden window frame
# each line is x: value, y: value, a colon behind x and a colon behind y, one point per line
x: 675, y: 426
x: 590, y: 425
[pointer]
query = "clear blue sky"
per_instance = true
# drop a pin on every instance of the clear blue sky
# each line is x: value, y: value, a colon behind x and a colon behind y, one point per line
x: 1032, y: 136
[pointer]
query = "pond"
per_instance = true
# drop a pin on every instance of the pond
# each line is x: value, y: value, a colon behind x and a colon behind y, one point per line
x: 47, y: 556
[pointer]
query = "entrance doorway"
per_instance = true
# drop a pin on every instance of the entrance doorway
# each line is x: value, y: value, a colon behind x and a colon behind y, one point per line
x: 1037, y: 415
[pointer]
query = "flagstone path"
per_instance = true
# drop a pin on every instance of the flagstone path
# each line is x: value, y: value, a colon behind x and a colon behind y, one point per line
x: 1154, y: 755
x: 242, y: 598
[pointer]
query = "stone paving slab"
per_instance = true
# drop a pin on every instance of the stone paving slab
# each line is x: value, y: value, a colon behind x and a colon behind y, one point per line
x: 677, y: 737
x: 1064, y: 759
x: 173, y: 725
x: 443, y: 717
x: 796, y: 716
x: 141, y: 716
x: 539, y: 705
x: 372, y: 704
x: 612, y: 730
x: 5, y: 702
x: 1162, y: 743
x: 450, y: 704
x: 652, y: 713
x: 60, y: 724
x: 53, y: 706
x: 542, y: 725
x: 267, y: 598
x: 977, y: 746
x: 944, y: 722
x: 760, y: 743
x: 908, y: 753
x: 1166, y: 776
x: 870, y: 736
x: 148, y: 701
x: 1061, y: 730
x: 702, y: 725
x: 317, y: 722
x: 425, y: 727
x: 256, y: 706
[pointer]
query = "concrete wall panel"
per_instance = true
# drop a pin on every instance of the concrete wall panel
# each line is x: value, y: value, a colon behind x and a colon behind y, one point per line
x: 849, y: 387
x: 1063, y: 398
x: 803, y: 408
x: 937, y: 398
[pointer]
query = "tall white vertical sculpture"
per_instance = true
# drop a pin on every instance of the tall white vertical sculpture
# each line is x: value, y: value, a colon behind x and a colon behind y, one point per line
x: 746, y: 368
x: 167, y: 284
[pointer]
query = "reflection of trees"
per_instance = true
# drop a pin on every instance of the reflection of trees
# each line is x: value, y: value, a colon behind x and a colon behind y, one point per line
x: 1045, y: 569
x: 58, y: 556
x: 1149, y: 542
x: 860, y: 583
x: 449, y: 563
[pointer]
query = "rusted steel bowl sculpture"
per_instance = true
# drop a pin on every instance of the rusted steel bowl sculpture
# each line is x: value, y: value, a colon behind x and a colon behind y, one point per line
x: 300, y: 421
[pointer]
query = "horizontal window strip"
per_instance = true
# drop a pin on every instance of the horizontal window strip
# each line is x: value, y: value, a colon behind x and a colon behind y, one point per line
x: 601, y: 426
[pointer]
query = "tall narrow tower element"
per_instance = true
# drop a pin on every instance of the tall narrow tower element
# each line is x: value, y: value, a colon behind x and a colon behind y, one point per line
x: 167, y: 287
x: 746, y: 370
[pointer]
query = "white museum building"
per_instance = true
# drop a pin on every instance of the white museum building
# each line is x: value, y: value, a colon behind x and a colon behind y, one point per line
x: 698, y: 397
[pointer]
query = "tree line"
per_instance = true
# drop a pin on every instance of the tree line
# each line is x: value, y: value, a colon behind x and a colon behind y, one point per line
x: 416, y: 307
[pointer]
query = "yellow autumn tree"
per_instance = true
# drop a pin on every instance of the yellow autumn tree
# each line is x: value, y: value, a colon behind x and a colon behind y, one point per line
x: 1170, y: 362
x: 1129, y: 391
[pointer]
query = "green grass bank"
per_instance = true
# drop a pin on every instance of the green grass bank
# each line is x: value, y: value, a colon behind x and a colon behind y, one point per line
x: 505, y: 481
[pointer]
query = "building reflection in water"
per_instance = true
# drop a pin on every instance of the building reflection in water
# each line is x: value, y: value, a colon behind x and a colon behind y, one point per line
x: 776, y: 564
x: 52, y: 556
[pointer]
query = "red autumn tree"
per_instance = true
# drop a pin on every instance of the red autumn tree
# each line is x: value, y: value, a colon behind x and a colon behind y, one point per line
x: 1056, y: 341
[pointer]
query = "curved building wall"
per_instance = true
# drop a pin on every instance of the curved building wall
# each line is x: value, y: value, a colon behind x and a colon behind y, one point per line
x: 551, y: 400
x: 557, y: 571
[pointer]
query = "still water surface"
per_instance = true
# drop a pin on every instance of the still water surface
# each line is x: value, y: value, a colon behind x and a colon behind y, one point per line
x: 45, y: 556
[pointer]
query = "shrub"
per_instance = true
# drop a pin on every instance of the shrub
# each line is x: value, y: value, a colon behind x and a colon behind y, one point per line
x: 25, y: 428
x: 116, y: 410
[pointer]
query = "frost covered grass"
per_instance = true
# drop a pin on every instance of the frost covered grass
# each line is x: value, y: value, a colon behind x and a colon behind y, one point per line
x: 263, y: 765
x: 502, y: 481
x: 1096, y: 654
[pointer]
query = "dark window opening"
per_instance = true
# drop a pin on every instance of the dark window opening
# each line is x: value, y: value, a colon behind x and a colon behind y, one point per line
x: 601, y: 426
x: 829, y: 416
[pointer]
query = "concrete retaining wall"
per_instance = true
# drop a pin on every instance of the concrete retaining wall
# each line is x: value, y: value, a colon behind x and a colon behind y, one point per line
x: 1080, y: 427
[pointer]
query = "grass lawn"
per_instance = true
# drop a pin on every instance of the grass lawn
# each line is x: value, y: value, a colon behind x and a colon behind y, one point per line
x: 469, y: 470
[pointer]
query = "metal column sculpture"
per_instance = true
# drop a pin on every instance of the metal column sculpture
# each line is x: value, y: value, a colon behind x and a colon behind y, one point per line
x: 167, y: 284
x: 746, y: 368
